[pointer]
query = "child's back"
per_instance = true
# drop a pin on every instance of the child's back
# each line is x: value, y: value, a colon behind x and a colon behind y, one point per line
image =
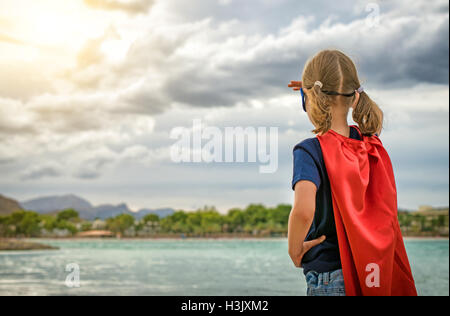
x: 309, y: 165
x: 345, y: 206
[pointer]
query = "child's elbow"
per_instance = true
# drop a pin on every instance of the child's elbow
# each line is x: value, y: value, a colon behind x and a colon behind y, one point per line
x: 305, y: 200
x: 303, y: 213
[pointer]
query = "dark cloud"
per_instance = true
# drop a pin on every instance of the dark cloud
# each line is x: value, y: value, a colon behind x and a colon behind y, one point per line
x: 197, y: 87
x: 142, y: 101
x: 87, y: 174
x: 5, y: 161
x: 92, y: 167
x: 267, y: 16
x: 430, y: 64
x: 65, y: 115
x: 208, y: 64
x: 39, y: 172
x: 413, y: 53
x: 403, y: 50
x: 409, y: 46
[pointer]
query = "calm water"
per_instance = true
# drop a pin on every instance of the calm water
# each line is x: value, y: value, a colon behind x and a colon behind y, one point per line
x: 187, y: 267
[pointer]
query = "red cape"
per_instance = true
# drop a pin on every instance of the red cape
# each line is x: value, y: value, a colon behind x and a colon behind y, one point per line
x: 364, y: 198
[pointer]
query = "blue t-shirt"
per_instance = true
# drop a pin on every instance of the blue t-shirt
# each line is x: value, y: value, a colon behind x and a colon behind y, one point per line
x: 309, y: 165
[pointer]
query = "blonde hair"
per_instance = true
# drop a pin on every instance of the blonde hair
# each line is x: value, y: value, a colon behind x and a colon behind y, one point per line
x: 337, y: 73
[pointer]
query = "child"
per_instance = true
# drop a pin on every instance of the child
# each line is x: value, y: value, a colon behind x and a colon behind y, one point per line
x: 343, y: 228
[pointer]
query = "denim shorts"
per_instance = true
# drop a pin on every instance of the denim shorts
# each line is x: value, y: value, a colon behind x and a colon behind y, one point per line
x: 325, y: 284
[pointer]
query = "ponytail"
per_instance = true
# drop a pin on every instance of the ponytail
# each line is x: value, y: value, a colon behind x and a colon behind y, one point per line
x: 321, y: 113
x: 368, y: 115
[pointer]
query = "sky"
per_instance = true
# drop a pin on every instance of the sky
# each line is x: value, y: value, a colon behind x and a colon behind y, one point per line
x: 91, y: 90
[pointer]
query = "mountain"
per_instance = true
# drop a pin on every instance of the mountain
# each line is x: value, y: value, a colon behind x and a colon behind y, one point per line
x: 51, y: 204
x: 7, y: 205
x: 86, y: 210
x: 108, y: 210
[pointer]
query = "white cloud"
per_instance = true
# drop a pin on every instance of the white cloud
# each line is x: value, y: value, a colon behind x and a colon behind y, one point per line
x: 128, y: 6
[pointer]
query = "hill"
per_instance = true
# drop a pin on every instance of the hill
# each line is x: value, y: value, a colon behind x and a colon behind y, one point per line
x: 49, y: 204
x: 53, y: 204
x: 8, y: 205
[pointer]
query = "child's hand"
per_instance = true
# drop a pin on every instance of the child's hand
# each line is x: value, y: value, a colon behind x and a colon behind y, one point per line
x: 307, y: 245
x: 295, y: 85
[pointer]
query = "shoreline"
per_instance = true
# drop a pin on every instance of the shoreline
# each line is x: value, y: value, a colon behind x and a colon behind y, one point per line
x: 15, y: 244
x: 40, y: 244
x: 222, y: 238
x: 424, y: 238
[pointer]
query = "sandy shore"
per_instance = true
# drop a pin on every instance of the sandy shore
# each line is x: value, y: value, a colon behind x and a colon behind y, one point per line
x: 425, y: 238
x: 17, y: 244
x: 222, y: 238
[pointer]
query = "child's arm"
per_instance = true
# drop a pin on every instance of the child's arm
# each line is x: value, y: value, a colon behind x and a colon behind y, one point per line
x: 300, y: 220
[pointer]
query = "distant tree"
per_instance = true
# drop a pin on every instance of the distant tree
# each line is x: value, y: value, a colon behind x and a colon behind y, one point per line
x: 280, y: 214
x: 48, y: 222
x: 255, y: 213
x: 211, y: 221
x: 67, y: 215
x: 26, y: 223
x: 235, y: 219
x: 62, y: 224
x: 150, y: 218
x: 175, y: 223
x: 441, y: 220
x: 4, y: 231
x: 421, y: 221
x: 120, y: 223
x: 86, y: 226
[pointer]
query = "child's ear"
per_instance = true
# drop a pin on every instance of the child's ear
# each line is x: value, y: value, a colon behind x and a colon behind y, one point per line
x: 357, y: 95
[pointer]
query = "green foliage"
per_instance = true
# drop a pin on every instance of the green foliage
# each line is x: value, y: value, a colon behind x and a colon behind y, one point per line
x: 432, y: 223
x: 48, y: 222
x: 255, y: 218
x: 120, y: 223
x: 22, y: 224
x: 62, y: 224
x: 30, y: 224
x: 67, y: 215
x: 150, y: 218
x: 86, y: 226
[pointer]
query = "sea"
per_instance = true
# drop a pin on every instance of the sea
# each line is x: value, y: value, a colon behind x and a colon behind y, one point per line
x: 247, y: 267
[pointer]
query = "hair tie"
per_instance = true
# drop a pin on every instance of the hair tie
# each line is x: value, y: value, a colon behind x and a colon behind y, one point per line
x: 360, y: 89
x: 318, y: 83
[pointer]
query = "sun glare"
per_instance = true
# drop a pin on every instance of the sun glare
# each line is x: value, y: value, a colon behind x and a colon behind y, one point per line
x: 60, y: 24
x: 115, y: 50
x: 51, y: 28
x: 56, y: 31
